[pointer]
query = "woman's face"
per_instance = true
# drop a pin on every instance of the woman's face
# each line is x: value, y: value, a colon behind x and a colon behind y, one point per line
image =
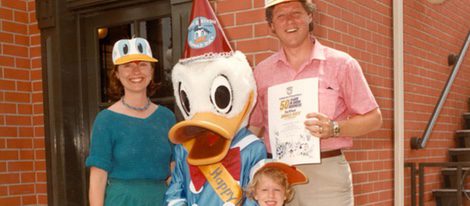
x: 135, y: 76
x: 269, y: 193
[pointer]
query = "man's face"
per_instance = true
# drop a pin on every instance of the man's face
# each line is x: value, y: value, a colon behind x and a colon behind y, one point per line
x: 291, y: 23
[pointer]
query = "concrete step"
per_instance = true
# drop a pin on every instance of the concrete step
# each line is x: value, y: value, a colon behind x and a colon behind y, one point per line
x: 450, y: 174
x: 463, y: 138
x: 459, y: 154
x: 448, y: 197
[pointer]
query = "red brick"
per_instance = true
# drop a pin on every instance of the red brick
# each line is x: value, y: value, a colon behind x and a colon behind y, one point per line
x: 35, y: 51
x: 18, y: 120
x: 241, y: 32
x: 27, y: 154
x: 28, y: 177
x: 23, y: 86
x: 39, y: 132
x: 36, y: 74
x: 38, y: 120
x: 37, y: 86
x: 26, y: 132
x: 226, y: 20
x: 41, y: 177
x: 19, y: 5
x: 3, y: 191
x: 19, y: 143
x: 41, y: 188
x: 20, y: 166
x: 14, y: 27
x: 40, y: 154
x: 256, y: 45
x: 21, y: 189
x: 10, y: 178
x: 7, y: 131
x: 6, y: 108
x: 17, y: 97
x: 21, y: 17
x: 33, y: 28
x: 40, y: 165
x: 23, y: 63
x: 6, y: 14
x: 10, y: 201
x: 37, y: 97
x: 15, y: 50
x: 262, y: 29
x: 226, y: 6
x: 42, y: 199
x: 29, y: 199
x: 6, y: 61
x: 8, y: 155
x: 250, y: 17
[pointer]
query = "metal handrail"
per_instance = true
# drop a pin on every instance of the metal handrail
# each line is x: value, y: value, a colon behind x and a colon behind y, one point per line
x: 420, y: 143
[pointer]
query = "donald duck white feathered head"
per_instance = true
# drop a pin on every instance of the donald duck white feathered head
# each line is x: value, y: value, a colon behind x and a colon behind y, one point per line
x: 215, y: 91
x: 215, y: 96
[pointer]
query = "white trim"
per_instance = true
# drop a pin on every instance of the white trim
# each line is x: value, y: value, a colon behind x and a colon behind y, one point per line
x: 175, y: 202
x: 246, y: 141
x: 398, y: 107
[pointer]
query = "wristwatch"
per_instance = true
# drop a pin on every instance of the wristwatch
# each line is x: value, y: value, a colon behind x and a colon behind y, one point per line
x: 336, y: 129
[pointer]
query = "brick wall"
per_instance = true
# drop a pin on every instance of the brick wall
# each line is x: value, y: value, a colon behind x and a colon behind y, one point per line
x: 22, y: 155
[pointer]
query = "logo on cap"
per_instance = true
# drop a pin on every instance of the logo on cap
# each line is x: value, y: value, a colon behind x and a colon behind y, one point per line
x: 201, y: 32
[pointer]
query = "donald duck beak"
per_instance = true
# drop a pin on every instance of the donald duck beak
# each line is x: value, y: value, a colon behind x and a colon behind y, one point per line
x: 207, y: 136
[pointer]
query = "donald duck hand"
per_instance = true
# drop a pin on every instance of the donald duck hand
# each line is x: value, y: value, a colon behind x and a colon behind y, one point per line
x: 319, y: 125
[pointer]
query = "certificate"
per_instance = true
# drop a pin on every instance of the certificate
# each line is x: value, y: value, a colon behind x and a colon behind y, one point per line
x: 288, y: 105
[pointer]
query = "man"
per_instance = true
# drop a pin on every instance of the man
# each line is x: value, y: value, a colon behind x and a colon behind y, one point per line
x: 347, y: 106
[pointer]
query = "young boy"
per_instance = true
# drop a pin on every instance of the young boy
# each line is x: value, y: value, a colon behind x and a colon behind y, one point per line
x: 271, y: 182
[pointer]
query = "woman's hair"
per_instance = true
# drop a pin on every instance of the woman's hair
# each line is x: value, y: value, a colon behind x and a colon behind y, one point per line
x: 277, y: 175
x: 116, y: 90
x: 308, y: 6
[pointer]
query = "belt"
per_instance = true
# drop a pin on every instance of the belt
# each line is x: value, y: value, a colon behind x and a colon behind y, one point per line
x: 326, y: 154
x: 331, y: 153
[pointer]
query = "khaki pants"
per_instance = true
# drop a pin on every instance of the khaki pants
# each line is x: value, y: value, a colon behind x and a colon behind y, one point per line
x: 330, y: 184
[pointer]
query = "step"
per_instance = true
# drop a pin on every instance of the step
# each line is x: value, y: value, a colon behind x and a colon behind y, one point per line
x: 466, y: 117
x: 448, y: 197
x: 450, y: 175
x: 463, y: 138
x: 459, y: 154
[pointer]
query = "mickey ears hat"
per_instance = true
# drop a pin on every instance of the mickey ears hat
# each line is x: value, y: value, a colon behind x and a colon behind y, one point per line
x: 205, y: 35
x: 129, y: 50
x: 294, y: 176
x: 268, y: 3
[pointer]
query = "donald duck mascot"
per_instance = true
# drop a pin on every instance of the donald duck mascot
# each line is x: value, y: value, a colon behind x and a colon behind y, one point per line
x: 215, y: 91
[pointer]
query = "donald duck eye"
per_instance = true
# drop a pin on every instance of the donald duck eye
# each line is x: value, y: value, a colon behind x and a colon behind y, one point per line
x: 123, y: 47
x: 184, y: 100
x: 141, y: 45
x: 221, y: 94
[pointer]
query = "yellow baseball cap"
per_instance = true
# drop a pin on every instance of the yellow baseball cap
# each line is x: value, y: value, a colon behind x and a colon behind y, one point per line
x: 129, y: 50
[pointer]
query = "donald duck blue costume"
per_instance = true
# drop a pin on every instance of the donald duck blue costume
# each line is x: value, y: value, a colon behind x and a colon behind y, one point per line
x: 215, y: 91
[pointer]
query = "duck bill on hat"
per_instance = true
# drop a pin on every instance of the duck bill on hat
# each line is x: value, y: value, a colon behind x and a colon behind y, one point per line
x: 207, y: 136
x: 134, y: 57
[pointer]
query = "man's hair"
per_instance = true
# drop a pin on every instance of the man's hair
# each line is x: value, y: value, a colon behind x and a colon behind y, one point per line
x: 308, y: 6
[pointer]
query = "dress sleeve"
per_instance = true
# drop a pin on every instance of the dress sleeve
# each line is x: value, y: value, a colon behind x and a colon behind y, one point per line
x: 101, y: 146
x: 175, y: 194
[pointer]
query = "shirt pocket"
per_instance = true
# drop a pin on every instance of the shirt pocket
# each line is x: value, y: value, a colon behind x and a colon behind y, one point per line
x: 328, y: 99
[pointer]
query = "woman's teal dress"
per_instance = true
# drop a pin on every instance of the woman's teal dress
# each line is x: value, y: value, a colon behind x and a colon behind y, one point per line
x: 136, y: 153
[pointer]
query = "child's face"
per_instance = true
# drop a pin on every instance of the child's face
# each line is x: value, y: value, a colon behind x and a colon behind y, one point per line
x: 269, y: 192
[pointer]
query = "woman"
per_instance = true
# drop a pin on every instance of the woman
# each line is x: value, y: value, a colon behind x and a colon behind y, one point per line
x: 130, y: 153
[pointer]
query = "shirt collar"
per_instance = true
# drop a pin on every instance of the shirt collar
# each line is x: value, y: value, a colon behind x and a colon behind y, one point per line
x: 317, y: 52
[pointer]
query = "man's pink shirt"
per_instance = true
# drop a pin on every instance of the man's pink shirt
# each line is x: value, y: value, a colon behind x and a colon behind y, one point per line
x: 343, y: 89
